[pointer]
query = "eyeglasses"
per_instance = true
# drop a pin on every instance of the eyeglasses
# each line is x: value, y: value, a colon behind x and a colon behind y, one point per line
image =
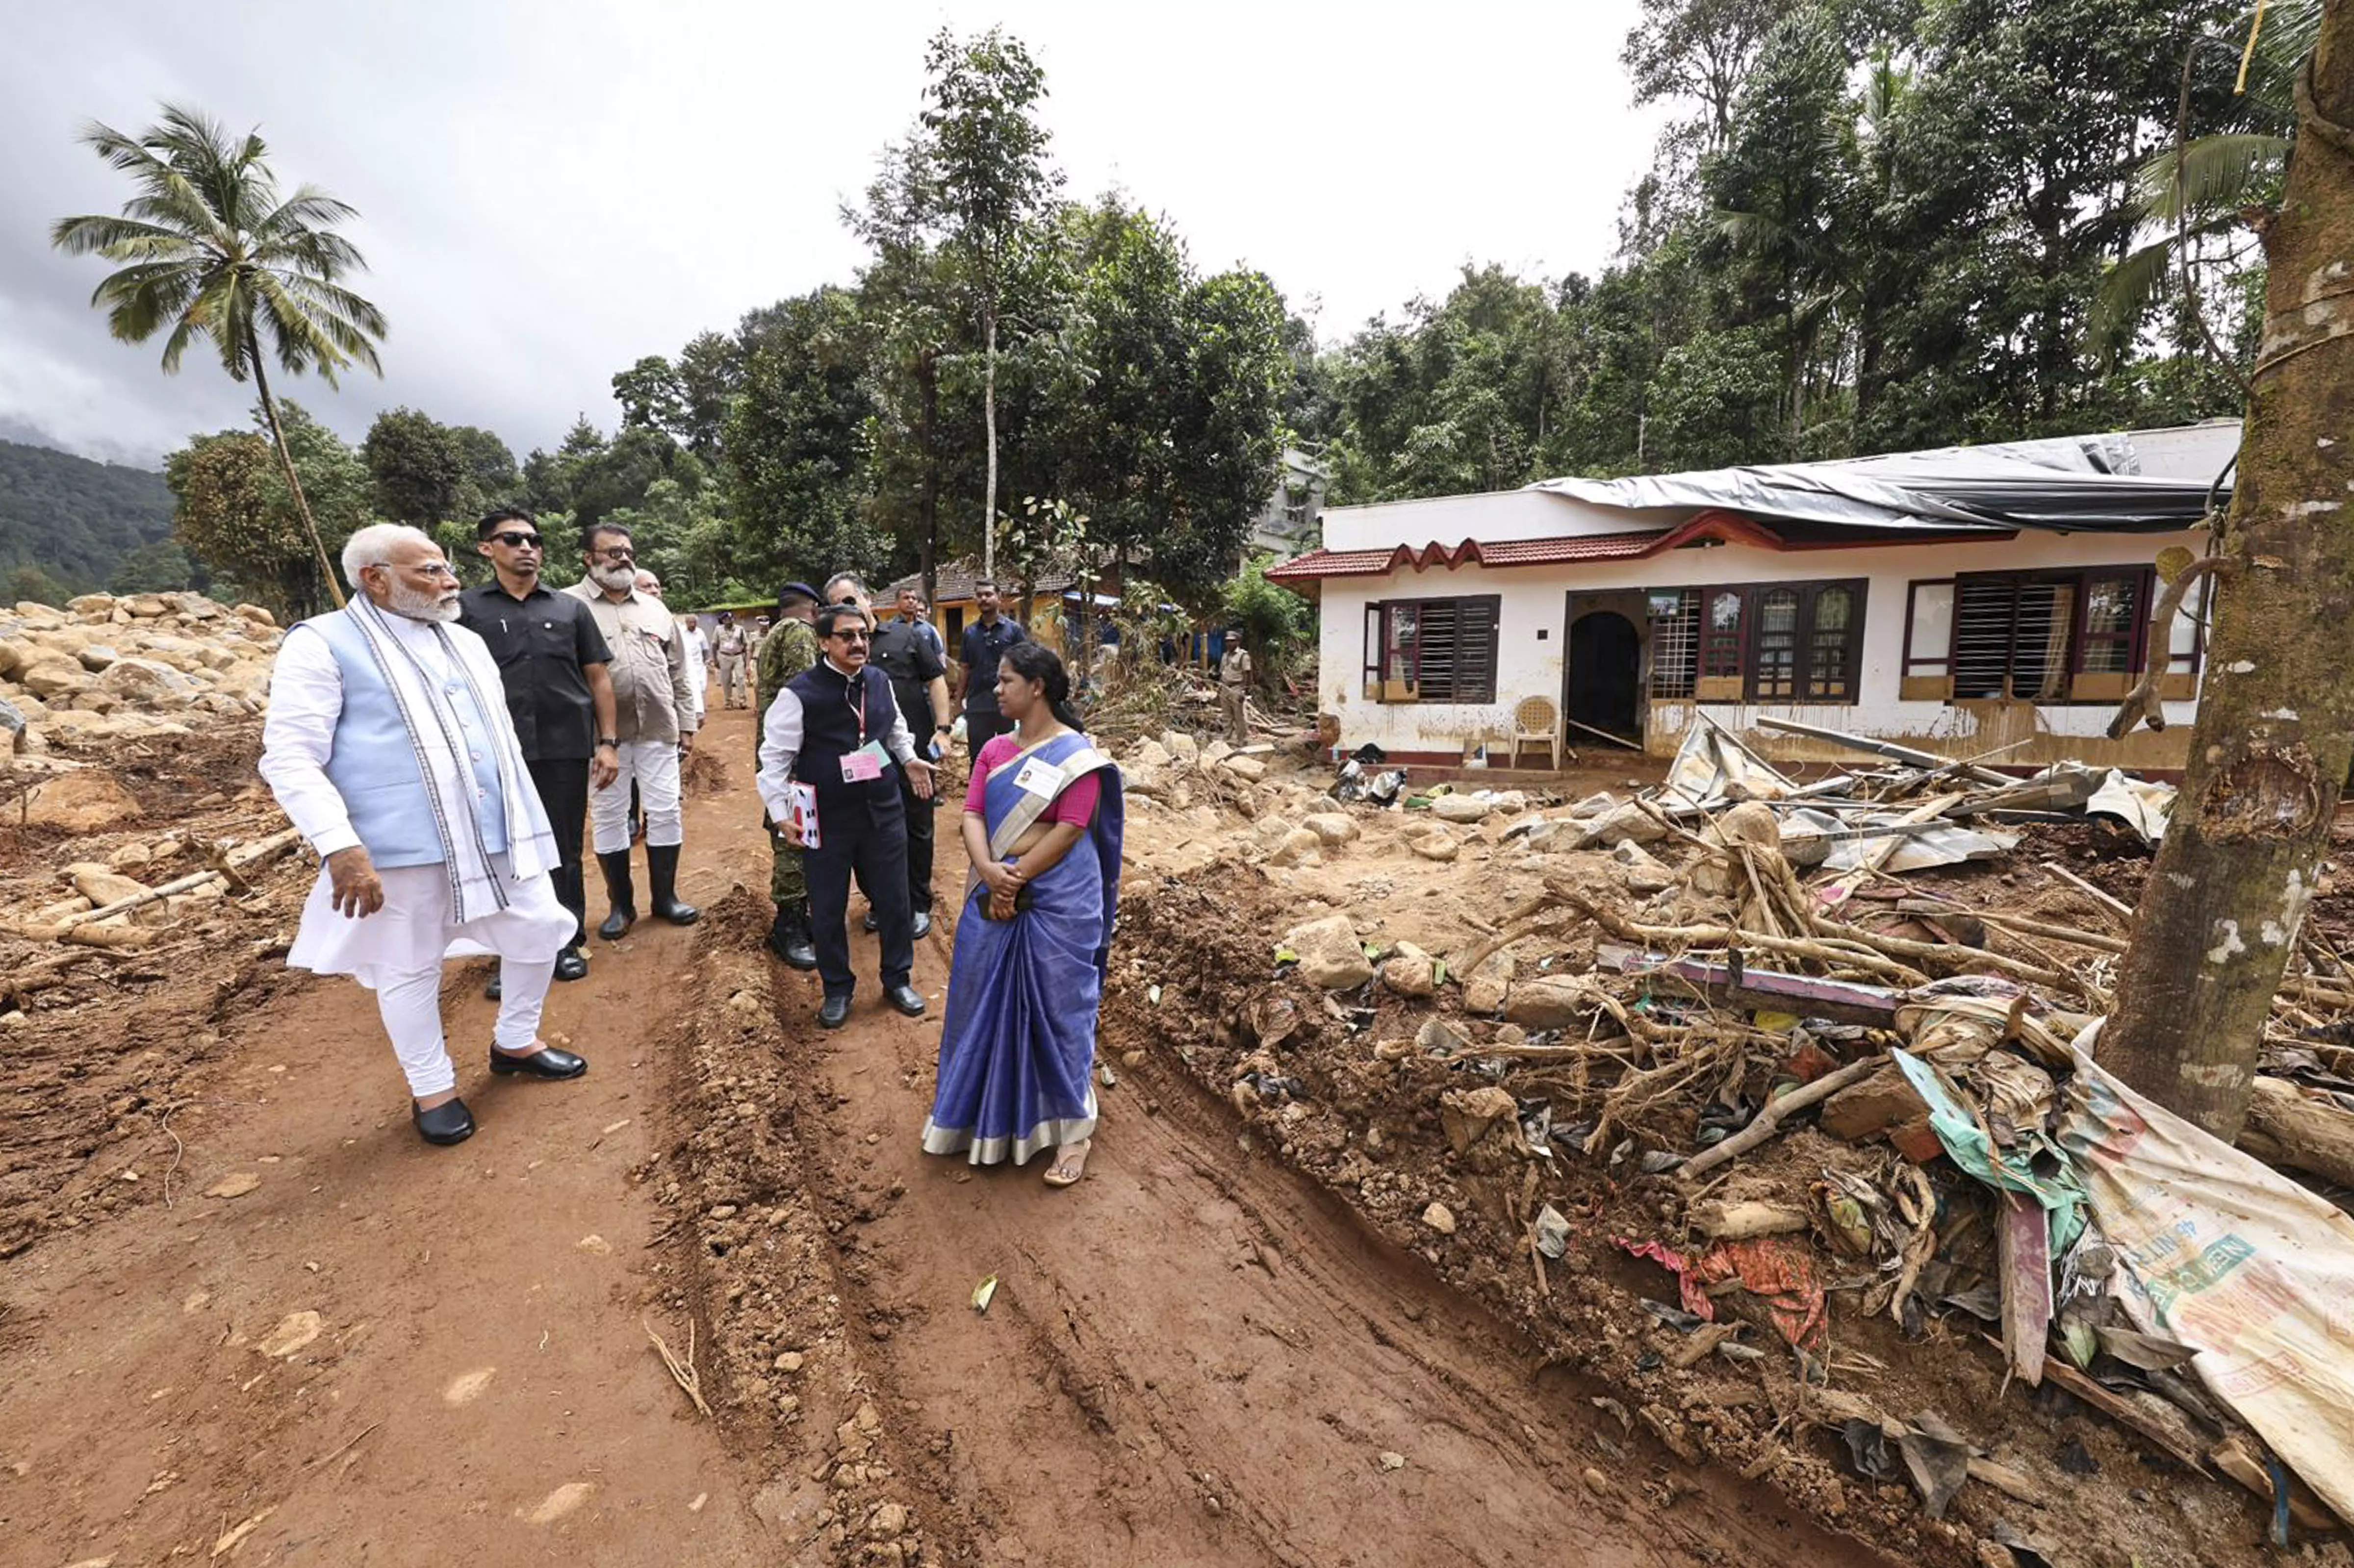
x: 853, y: 637
x: 518, y: 541
x: 617, y: 553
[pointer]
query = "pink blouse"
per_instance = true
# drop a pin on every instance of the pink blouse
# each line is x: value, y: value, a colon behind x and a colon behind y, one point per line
x: 1076, y: 805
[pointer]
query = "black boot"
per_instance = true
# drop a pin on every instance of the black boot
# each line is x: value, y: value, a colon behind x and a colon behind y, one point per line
x: 790, y: 937
x: 662, y: 875
x: 618, y: 893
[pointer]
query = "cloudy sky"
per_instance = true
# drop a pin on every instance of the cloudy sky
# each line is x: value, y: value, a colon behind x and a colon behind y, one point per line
x: 550, y: 190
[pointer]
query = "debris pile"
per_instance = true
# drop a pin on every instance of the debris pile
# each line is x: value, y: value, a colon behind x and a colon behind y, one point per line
x: 139, y: 666
x: 1821, y: 1052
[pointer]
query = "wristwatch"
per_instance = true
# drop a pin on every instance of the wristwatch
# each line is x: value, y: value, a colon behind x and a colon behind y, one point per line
x: 613, y: 740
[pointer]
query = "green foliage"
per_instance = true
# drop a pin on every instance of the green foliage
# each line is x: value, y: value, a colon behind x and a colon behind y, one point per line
x: 159, y: 568
x: 238, y: 517
x: 1276, y: 622
x: 418, y: 469
x: 29, y: 583
x: 650, y: 395
x: 1877, y: 225
x: 74, y: 520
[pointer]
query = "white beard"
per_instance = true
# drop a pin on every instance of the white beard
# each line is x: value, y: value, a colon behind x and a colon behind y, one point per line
x: 614, y: 580
x: 410, y: 605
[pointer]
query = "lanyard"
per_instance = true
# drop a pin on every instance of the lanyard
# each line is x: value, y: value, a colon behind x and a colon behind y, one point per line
x: 853, y: 690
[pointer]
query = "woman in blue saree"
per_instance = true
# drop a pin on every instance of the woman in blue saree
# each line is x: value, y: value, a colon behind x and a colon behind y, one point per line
x: 1041, y: 826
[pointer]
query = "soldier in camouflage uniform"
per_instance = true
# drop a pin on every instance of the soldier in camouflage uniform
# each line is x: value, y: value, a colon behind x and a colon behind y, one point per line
x: 789, y: 649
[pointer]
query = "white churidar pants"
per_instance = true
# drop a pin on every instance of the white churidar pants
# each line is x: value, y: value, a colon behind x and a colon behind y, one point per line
x: 652, y: 765
x: 398, y: 953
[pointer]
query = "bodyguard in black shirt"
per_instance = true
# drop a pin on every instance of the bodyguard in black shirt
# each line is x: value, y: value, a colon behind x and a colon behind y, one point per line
x: 911, y: 661
x: 552, y: 661
x: 985, y: 642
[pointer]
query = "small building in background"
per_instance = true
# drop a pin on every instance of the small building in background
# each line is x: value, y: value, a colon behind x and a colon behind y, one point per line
x: 1967, y: 600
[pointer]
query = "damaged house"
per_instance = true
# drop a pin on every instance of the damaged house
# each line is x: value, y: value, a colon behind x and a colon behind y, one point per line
x: 1971, y: 601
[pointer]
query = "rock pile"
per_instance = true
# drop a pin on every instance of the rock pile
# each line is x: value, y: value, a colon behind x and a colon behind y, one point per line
x: 142, y: 665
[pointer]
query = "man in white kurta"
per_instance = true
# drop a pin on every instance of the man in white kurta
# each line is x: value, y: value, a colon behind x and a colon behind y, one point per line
x: 389, y: 746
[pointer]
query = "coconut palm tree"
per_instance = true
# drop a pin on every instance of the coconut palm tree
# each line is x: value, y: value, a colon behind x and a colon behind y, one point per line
x: 2196, y: 194
x: 212, y: 251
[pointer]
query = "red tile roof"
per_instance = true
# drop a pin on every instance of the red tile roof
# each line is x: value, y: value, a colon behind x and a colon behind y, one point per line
x: 1471, y: 551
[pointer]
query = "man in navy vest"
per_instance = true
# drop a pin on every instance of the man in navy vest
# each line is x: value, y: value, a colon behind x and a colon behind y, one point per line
x: 389, y: 745
x: 837, y: 729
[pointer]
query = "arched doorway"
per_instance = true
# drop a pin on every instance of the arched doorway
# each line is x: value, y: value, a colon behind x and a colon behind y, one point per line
x: 1605, y: 671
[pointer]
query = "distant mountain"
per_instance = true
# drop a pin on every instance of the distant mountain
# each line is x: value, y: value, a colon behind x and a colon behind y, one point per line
x: 73, y: 518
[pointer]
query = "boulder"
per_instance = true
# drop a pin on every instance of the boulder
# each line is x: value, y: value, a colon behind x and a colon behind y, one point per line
x: 40, y: 614
x: 1484, y: 994
x: 1299, y: 847
x: 1438, y: 846
x: 1465, y: 809
x: 1410, y: 971
x: 85, y: 800
x: 146, y: 606
x: 1642, y: 872
x: 1332, y: 827
x: 57, y: 679
x: 16, y: 656
x: 1180, y: 746
x: 92, y: 604
x: 1627, y: 821
x: 1547, y: 1001
x: 1594, y: 806
x: 1148, y: 754
x: 256, y: 614
x: 12, y: 718
x: 148, y: 683
x: 97, y: 657
x: 1329, y: 952
x: 1217, y: 751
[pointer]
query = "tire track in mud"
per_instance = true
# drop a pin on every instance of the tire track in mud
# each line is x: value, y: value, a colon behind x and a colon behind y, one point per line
x: 1199, y: 1356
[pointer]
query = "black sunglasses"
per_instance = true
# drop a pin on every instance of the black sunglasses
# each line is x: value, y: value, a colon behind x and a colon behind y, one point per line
x: 518, y: 541
x: 853, y: 637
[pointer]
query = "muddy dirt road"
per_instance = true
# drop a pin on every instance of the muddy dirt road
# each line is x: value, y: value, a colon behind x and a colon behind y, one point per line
x: 1194, y: 1357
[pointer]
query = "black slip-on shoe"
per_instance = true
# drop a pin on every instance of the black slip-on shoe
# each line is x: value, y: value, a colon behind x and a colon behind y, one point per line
x: 571, y: 964
x: 495, y: 990
x: 447, y: 1123
x: 870, y: 922
x: 833, y: 1012
x: 905, y: 998
x: 922, y: 926
x: 547, y: 1062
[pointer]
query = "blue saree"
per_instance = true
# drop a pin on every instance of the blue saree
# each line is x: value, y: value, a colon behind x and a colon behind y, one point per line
x: 1018, y: 1047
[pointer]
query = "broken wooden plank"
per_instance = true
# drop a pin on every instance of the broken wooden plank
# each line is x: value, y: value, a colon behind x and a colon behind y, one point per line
x: 2286, y: 1127
x: 1843, y: 1001
x: 2170, y: 1430
x: 2025, y: 1234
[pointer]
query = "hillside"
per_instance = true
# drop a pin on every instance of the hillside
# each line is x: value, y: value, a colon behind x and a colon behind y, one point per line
x: 73, y: 518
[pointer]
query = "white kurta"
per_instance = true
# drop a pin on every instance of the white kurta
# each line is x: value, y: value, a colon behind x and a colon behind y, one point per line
x: 415, y: 929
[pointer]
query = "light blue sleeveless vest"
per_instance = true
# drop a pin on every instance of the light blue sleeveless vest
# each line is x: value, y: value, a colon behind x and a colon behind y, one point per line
x: 373, y: 764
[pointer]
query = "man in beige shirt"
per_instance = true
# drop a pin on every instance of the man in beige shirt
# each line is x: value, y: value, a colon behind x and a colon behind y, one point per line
x: 653, y: 711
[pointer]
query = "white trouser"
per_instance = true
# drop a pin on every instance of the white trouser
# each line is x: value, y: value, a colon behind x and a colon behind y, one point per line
x: 410, y: 1002
x: 653, y: 765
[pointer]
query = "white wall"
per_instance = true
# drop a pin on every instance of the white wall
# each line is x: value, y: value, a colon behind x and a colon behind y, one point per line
x: 1489, y: 517
x: 1533, y: 625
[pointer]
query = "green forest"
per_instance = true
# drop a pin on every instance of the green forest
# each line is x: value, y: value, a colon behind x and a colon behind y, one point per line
x: 67, y: 523
x: 1871, y: 224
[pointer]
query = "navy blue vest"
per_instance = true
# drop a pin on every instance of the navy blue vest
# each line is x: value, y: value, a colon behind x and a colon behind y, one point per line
x: 829, y: 731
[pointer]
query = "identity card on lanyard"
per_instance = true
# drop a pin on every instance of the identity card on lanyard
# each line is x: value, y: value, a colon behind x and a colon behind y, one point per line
x: 865, y: 764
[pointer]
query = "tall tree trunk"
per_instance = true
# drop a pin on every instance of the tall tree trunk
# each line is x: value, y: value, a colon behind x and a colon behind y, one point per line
x: 2219, y: 916
x: 286, y: 465
x: 928, y: 507
x: 989, y: 424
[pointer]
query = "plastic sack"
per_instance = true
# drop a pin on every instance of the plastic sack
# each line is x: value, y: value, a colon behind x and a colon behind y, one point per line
x: 2229, y: 1257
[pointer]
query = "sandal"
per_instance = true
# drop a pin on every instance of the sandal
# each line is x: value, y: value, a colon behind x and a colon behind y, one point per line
x: 1070, y: 1163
